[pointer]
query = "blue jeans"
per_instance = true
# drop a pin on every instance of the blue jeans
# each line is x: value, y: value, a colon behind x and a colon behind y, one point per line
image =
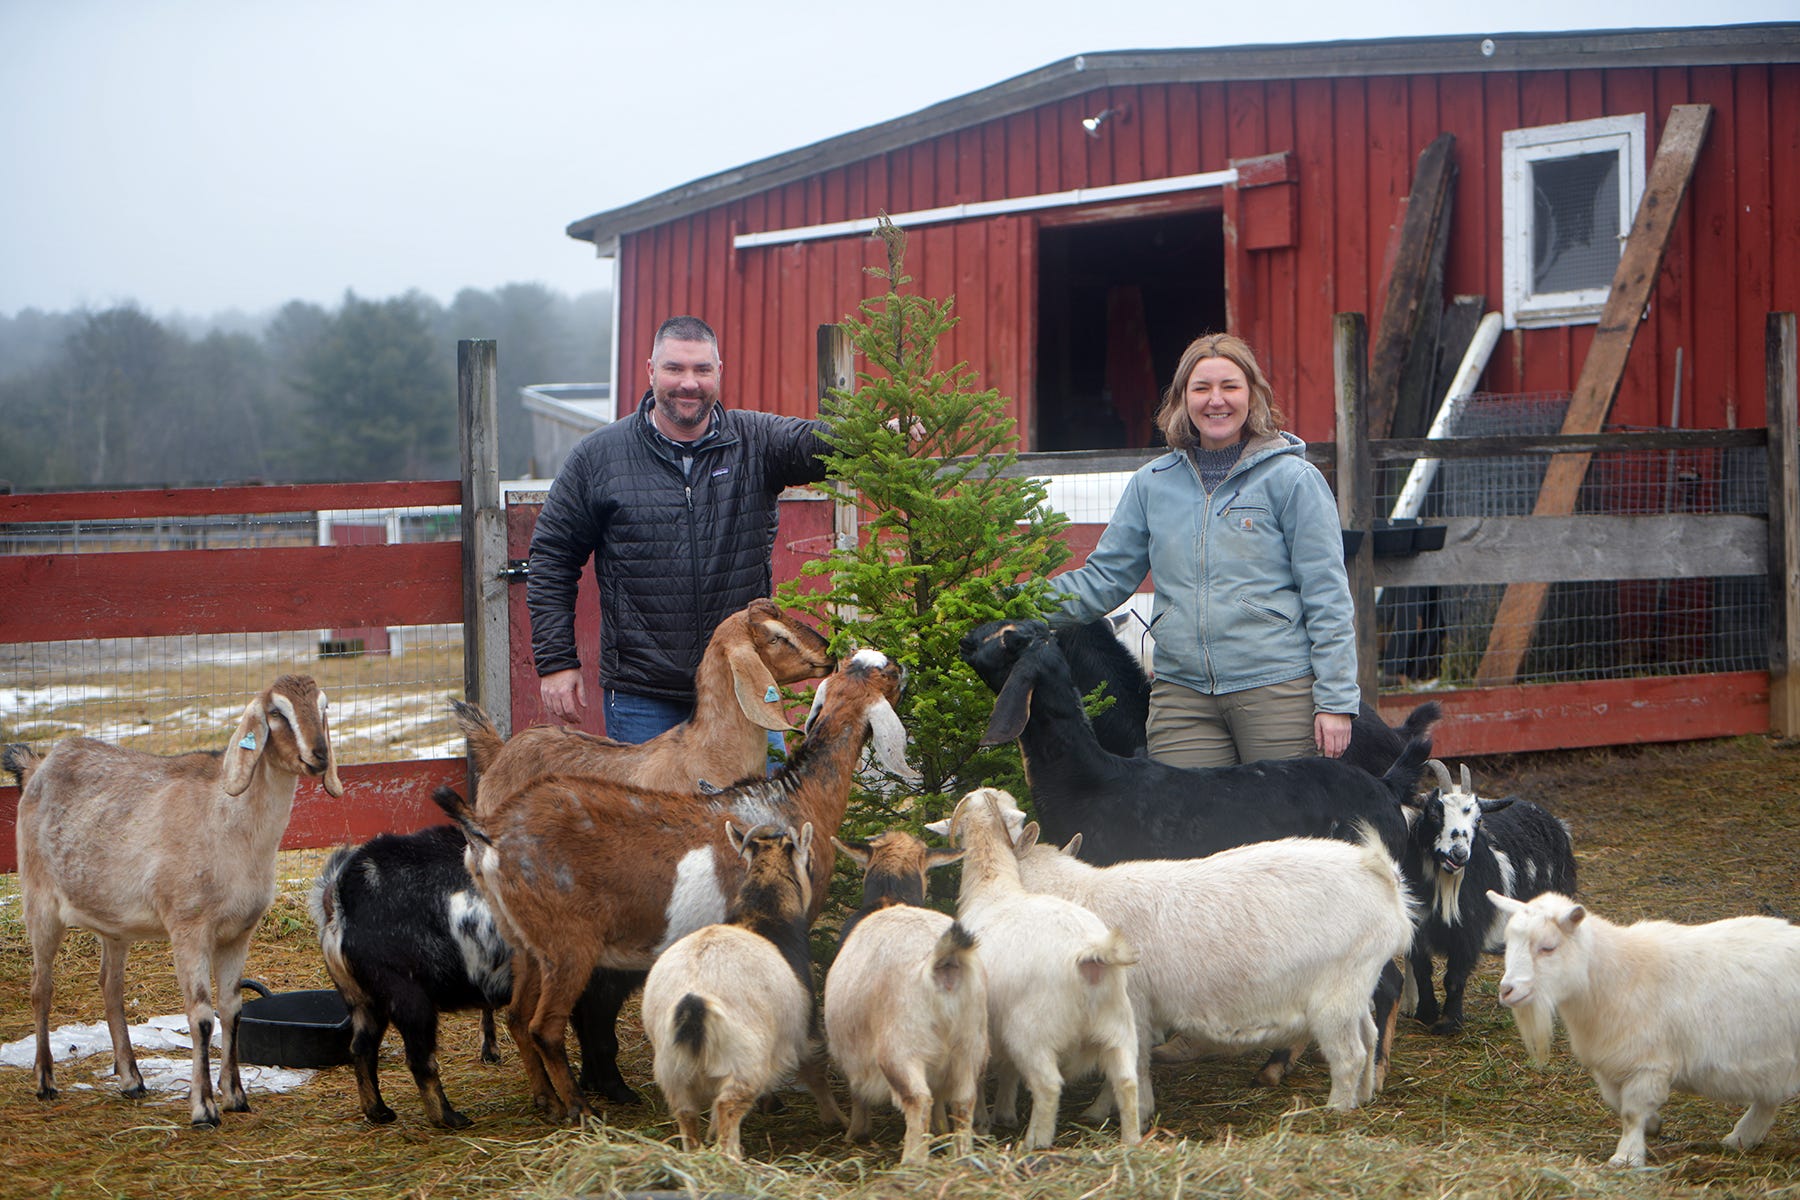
x: 633, y: 718
x: 637, y: 719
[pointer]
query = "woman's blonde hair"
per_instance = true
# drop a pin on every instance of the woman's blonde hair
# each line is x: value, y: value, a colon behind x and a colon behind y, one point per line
x: 1172, y: 417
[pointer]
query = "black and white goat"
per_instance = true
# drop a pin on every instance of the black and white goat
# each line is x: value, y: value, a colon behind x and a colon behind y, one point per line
x: 1461, y: 847
x: 406, y: 936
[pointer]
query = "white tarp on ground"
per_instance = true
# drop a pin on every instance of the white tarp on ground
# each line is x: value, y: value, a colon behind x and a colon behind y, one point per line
x: 164, y: 1077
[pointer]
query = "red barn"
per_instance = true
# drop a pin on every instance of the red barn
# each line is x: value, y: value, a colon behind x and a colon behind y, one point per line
x: 1092, y: 216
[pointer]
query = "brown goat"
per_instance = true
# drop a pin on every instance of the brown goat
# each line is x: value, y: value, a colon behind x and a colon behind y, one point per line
x: 140, y: 847
x: 585, y: 873
x: 751, y: 653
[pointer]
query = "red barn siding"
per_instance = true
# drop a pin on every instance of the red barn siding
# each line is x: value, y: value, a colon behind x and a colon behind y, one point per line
x: 1735, y: 254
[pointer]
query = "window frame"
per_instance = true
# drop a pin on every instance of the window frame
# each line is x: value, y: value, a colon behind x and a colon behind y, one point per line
x: 1520, y: 148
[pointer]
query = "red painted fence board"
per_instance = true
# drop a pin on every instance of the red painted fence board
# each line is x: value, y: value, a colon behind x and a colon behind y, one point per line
x: 210, y: 502
x: 153, y: 593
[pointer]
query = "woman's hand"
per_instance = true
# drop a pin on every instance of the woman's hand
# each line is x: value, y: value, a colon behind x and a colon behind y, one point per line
x: 1331, y: 733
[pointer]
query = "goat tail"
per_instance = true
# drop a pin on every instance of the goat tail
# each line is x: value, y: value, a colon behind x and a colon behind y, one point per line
x: 1422, y: 720
x: 458, y: 810
x: 480, y: 732
x: 326, y: 906
x: 21, y: 760
x: 1107, y: 954
x: 1402, y: 779
x: 952, y: 957
x: 688, y: 1024
x: 1380, y: 862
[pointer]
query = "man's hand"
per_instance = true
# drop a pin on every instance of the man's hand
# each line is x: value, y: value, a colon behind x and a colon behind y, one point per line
x: 1331, y: 733
x: 564, y: 695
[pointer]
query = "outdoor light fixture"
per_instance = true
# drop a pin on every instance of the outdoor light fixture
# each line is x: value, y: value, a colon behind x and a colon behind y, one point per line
x: 1094, y: 123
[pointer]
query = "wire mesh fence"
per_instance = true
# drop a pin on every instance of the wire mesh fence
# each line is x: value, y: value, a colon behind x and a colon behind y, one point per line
x: 388, y: 685
x: 1436, y: 636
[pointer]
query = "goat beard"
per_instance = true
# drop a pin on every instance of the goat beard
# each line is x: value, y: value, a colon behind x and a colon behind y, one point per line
x: 1536, y: 1019
x: 1449, y: 895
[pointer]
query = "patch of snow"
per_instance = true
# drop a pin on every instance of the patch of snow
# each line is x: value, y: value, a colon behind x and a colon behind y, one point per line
x: 169, y: 1076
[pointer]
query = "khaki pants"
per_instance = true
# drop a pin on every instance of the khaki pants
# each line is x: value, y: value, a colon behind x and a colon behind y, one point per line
x: 1191, y: 729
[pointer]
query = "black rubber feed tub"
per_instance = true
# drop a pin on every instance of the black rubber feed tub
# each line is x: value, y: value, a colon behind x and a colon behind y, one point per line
x: 293, y: 1029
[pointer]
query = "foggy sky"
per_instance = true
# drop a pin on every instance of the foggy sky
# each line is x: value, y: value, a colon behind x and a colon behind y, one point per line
x: 198, y: 157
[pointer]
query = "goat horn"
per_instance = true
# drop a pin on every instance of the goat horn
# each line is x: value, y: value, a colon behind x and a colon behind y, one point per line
x: 1442, y: 772
x: 1468, y: 785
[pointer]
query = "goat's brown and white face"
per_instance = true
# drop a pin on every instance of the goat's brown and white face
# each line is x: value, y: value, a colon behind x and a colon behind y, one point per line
x: 287, y: 727
x: 894, y: 862
x: 872, y: 680
x: 777, y: 864
x: 791, y: 649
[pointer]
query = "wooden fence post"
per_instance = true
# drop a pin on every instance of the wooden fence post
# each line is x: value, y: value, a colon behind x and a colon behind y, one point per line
x: 1784, y: 526
x: 485, y: 672
x: 837, y: 372
x: 1356, y: 487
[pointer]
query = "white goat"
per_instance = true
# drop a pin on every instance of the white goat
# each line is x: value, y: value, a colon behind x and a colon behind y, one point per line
x: 728, y: 1008
x: 1057, y: 1000
x: 140, y: 847
x: 1711, y: 1009
x: 906, y: 1000
x: 1267, y: 945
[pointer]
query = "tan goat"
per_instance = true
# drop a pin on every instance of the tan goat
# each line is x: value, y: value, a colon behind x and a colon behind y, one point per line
x: 736, y: 704
x: 140, y: 847
x: 586, y: 873
x: 729, y: 1008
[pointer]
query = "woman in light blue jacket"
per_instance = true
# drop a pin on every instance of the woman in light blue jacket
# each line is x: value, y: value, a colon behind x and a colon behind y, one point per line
x: 1255, y: 634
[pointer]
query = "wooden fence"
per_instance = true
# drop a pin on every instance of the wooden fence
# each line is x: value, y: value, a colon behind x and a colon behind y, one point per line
x: 156, y: 593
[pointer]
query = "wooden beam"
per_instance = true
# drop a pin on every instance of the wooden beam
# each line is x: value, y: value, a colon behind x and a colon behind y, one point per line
x: 1356, y: 488
x: 1587, y: 548
x: 1639, y: 265
x: 225, y: 501
x: 1409, y: 315
x: 1784, y: 527
x: 486, y: 667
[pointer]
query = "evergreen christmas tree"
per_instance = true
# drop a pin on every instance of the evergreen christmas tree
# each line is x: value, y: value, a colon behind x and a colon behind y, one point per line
x: 948, y: 537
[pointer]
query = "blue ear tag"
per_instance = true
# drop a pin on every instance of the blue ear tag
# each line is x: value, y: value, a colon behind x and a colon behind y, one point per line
x: 771, y: 696
x: 249, y: 742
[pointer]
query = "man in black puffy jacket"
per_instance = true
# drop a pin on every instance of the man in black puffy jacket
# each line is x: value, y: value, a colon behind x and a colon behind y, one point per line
x: 676, y: 504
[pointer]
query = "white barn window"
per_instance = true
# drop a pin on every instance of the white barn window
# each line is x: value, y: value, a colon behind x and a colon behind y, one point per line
x: 1571, y: 192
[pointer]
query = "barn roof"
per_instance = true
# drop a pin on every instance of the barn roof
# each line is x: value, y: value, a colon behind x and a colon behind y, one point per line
x: 1084, y: 73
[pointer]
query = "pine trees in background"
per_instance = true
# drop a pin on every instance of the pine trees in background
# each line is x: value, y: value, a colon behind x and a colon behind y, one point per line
x: 948, y: 540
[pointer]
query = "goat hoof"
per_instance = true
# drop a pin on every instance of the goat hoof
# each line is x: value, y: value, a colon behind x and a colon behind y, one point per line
x: 241, y: 1104
x: 452, y: 1120
x: 207, y: 1120
x: 490, y: 1056
x: 136, y: 1091
x: 1446, y: 1027
x: 616, y: 1093
x: 380, y: 1114
x: 47, y: 1092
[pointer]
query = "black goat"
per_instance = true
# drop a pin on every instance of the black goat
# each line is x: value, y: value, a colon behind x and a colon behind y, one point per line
x: 406, y: 936
x: 1135, y: 808
x: 1375, y: 745
x: 1460, y: 848
x: 1096, y: 656
x: 1129, y: 808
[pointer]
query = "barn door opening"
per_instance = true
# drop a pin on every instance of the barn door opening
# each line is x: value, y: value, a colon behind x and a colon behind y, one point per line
x: 1117, y: 304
